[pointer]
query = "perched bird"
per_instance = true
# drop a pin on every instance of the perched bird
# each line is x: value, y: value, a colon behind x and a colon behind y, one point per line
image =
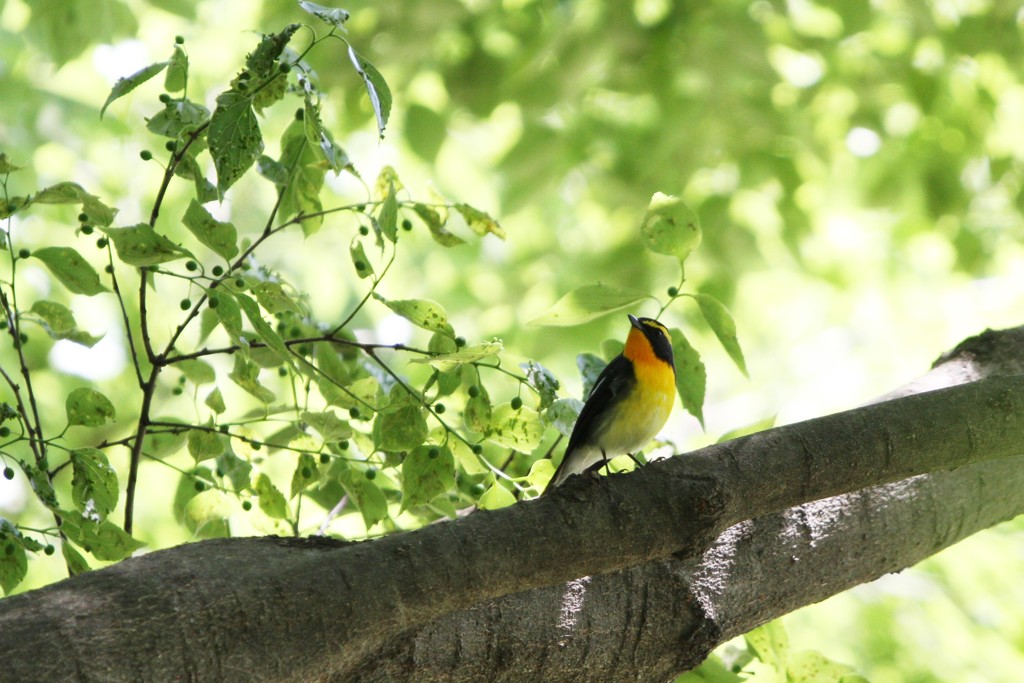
x: 629, y: 404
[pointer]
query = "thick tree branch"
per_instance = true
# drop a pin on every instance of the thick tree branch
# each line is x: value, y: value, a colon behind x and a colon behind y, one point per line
x: 292, y: 610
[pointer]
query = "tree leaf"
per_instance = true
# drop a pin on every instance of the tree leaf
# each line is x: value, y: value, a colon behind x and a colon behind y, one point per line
x: 376, y: 87
x: 722, y: 324
x: 305, y: 474
x: 246, y: 375
x: 206, y: 507
x: 306, y: 173
x: 477, y: 413
x: 587, y: 303
x: 13, y: 563
x: 140, y: 245
x: 177, y: 72
x: 94, y: 482
x: 365, y: 495
x: 590, y: 367
x: 770, y: 644
x: 495, y: 497
x: 691, y: 375
x: 215, y: 401
x: 274, y: 299
x: 670, y: 227
x: 331, y: 15
x: 73, y: 271
x: 88, y: 407
x: 59, y: 322
x: 104, y: 540
x: 221, y: 237
x: 329, y: 425
x: 563, y: 414
x: 272, y: 501
x: 420, y: 312
x: 263, y: 329
x: 435, y: 220
x: 196, y: 370
x: 128, y: 83
x: 96, y: 211
x: 204, y: 444
x: 480, y: 222
x: 359, y: 260
x: 401, y: 429
x: 234, y: 137
x: 446, y: 362
x: 541, y: 379
x: 521, y: 430
x: 177, y: 117
x: 73, y: 559
x: 387, y: 219
x: 427, y: 472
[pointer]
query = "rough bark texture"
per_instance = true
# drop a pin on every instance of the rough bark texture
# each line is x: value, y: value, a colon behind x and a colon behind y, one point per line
x: 677, y: 557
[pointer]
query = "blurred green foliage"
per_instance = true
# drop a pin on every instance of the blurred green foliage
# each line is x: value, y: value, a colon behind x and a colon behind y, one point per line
x: 856, y: 168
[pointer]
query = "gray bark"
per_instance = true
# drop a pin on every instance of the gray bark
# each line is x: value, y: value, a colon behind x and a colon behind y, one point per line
x: 678, y: 556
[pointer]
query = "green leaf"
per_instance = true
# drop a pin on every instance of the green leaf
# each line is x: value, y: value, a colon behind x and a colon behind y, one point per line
x: 6, y: 166
x: 590, y: 367
x: 365, y: 495
x: 435, y: 219
x: 387, y: 219
x: 229, y: 314
x: 427, y: 472
x: 420, y: 312
x: 140, y: 245
x: 266, y: 333
x: 59, y: 322
x: 73, y: 271
x: 206, y: 507
x: 305, y: 474
x: 215, y: 401
x: 274, y: 299
x: 88, y: 407
x: 262, y: 61
x: 329, y: 425
x: 246, y: 375
x: 72, y: 193
x: 359, y: 260
x: 722, y: 324
x: 712, y: 670
x: 691, y: 375
x: 73, y: 559
x: 745, y: 430
x: 13, y: 563
x: 770, y: 644
x: 196, y: 370
x: 234, y: 137
x: 177, y: 117
x: 221, y: 237
x: 272, y: 501
x: 495, y: 497
x: 446, y: 362
x: 128, y: 83
x: 670, y: 227
x: 401, y: 429
x: 177, y: 71
x: 164, y: 443
x: 271, y: 93
x: 480, y: 222
x: 204, y: 444
x: 376, y: 87
x: 563, y: 414
x: 477, y: 413
x: 104, y: 540
x: 94, y: 483
x: 587, y: 303
x: 331, y: 15
x: 808, y: 666
x: 521, y: 430
x: 306, y: 173
x: 541, y: 379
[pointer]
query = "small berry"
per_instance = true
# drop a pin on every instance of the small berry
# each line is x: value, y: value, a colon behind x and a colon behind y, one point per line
x: 180, y: 40
x: 324, y: 458
x: 282, y: 371
x: 240, y: 283
x: 8, y: 473
x: 24, y: 253
x: 433, y: 453
x: 439, y: 408
x: 86, y: 229
x: 177, y: 391
x: 48, y: 550
x: 145, y: 155
x: 246, y: 505
x: 360, y: 266
x: 371, y: 474
x: 478, y: 449
x: 102, y: 243
x: 83, y: 218
x: 300, y: 114
x: 184, y: 304
x: 217, y: 271
x: 406, y: 224
x: 200, y: 486
x: 473, y: 391
x: 343, y: 445
x: 306, y: 473
x: 5, y: 432
x: 165, y: 98
x: 23, y: 337
x: 108, y: 268
x: 516, y: 403
x: 214, y: 302
x: 353, y: 413
x: 284, y: 67
x: 256, y: 445
x: 223, y: 429
x: 673, y: 291
x: 191, y: 265
x: 363, y: 230
x: 170, y: 145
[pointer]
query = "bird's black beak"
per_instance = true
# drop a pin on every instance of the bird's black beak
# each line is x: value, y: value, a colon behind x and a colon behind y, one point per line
x: 634, y: 321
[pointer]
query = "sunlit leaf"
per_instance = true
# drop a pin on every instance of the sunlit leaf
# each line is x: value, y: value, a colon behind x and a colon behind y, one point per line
x: 496, y: 496
x: 331, y: 15
x: 359, y: 260
x: 563, y: 413
x: 206, y: 507
x: 722, y: 324
x: 329, y: 425
x: 480, y: 222
x: 469, y: 354
x: 177, y: 71
x: 272, y: 501
x: 691, y: 375
x: 128, y: 83
x: 376, y: 87
x: 204, y: 444
x: 73, y: 271
x: 427, y: 472
x: 104, y: 540
x: 246, y: 375
x: 13, y: 563
x: 424, y: 313
x: 305, y: 474
x: 306, y: 173
x: 88, y: 407
x: 521, y: 430
x: 587, y: 303
x: 94, y: 482
x: 140, y: 245
x: 365, y: 495
x: 219, y: 236
x: 541, y: 379
x: 234, y: 137
x: 670, y: 227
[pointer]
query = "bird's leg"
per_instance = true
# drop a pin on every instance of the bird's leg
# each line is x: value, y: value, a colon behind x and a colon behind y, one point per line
x: 633, y: 458
x: 604, y: 456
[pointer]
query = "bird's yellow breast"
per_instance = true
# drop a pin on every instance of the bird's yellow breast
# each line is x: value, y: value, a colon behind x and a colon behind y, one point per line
x: 643, y: 413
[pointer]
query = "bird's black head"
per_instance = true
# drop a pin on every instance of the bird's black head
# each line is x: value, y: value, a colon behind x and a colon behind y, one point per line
x: 657, y: 336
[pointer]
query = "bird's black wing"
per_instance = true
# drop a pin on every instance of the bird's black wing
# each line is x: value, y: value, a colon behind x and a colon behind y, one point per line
x: 612, y: 385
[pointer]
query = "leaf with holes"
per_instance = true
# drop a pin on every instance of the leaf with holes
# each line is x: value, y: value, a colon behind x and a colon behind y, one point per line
x: 94, y: 482
x: 89, y: 408
x: 219, y: 236
x: 427, y: 472
x: 140, y: 245
x: 73, y: 271
x: 234, y: 137
x: 128, y: 83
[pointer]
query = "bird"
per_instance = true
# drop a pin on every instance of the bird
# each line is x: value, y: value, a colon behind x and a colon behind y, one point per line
x: 628, y: 405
